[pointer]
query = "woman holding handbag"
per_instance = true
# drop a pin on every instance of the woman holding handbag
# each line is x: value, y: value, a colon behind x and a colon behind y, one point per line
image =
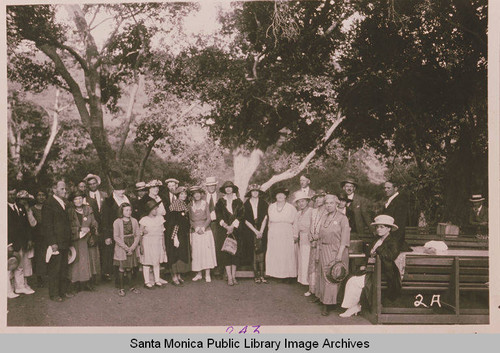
x: 177, y: 236
x: 229, y: 212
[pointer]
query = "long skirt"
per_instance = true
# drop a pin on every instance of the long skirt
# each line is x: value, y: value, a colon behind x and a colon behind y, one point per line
x: 79, y: 270
x: 313, y: 270
x: 203, y: 251
x: 95, y: 260
x: 328, y: 291
x: 353, y: 289
x: 303, y: 259
x: 281, y: 256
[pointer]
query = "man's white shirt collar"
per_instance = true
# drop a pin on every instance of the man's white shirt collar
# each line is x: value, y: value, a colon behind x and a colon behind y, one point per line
x: 391, y: 198
x: 61, y: 202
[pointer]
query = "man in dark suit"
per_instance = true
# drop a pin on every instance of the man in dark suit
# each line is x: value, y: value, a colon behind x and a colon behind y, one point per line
x: 304, y: 180
x: 56, y: 230
x: 95, y: 197
x: 139, y: 203
x: 478, y: 216
x: 357, y: 207
x: 169, y: 196
x: 396, y: 206
x: 218, y: 232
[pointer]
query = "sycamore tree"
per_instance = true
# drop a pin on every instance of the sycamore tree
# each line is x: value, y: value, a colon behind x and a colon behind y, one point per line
x: 268, y: 80
x: 45, y: 48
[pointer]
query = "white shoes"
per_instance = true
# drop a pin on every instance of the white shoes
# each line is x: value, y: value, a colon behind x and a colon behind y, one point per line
x: 25, y: 290
x: 351, y: 311
x: 197, y: 277
x: 162, y: 281
x: 208, y: 279
x: 307, y: 294
x: 12, y: 295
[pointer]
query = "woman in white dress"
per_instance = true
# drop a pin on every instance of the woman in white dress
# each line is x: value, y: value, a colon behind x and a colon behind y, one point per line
x: 302, y: 228
x: 281, y: 256
x: 202, y: 239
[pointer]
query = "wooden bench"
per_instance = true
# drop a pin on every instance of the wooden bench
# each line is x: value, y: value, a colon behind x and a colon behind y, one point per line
x: 450, y: 277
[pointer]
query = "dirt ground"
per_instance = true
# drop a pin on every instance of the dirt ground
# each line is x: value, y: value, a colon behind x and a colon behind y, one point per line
x: 195, y: 304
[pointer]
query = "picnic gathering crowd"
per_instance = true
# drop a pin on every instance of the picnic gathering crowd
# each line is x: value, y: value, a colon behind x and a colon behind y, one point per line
x: 77, y: 239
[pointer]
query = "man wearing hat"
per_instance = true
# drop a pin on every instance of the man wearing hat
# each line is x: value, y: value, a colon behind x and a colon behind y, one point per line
x: 218, y: 232
x: 56, y: 230
x: 138, y: 204
x: 20, y: 222
x: 478, y: 216
x: 172, y: 184
x: 110, y: 208
x: 94, y: 196
x: 357, y: 207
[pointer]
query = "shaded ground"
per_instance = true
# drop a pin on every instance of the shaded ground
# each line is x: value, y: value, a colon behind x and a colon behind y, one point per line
x: 195, y: 304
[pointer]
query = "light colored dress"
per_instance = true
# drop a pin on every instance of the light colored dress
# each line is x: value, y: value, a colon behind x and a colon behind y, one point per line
x: 302, y: 227
x: 313, y: 272
x: 281, y: 256
x: 202, y: 245
x: 334, y: 232
x: 153, y: 243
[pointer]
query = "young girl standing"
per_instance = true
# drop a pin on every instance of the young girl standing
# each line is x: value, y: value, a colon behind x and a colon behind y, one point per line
x: 126, y: 236
x: 152, y: 245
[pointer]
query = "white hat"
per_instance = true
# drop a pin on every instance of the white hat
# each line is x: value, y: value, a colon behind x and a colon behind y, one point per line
x: 153, y: 183
x: 71, y: 254
x: 93, y: 176
x: 384, y: 220
x: 171, y: 180
x: 476, y: 198
x: 301, y: 195
x: 210, y: 181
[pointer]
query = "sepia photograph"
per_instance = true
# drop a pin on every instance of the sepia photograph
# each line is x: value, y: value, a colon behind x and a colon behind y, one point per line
x: 246, y: 164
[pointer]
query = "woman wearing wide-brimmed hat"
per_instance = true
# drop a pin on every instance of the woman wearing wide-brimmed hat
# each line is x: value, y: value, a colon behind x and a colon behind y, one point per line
x: 281, y: 256
x: 152, y: 248
x: 202, y: 239
x: 387, y: 248
x: 333, y: 242
x: 83, y: 233
x: 177, y: 236
x: 302, y: 228
x: 254, y: 232
x: 230, y: 212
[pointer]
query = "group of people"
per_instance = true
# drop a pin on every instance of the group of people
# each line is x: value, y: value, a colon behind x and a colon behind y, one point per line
x: 75, y: 238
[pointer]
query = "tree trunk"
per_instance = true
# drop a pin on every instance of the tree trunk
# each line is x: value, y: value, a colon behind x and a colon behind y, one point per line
x: 142, y: 164
x: 14, y: 138
x: 53, y: 133
x: 245, y: 165
x: 294, y: 171
x: 129, y: 116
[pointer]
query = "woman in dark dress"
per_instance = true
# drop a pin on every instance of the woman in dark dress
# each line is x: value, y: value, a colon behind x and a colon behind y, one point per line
x: 229, y: 211
x: 387, y: 247
x: 177, y: 236
x: 255, y: 230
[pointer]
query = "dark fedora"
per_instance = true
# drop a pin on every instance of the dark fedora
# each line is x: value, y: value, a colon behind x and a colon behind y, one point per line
x: 150, y: 205
x: 228, y: 184
x: 336, y: 272
x: 351, y: 180
x: 319, y: 193
x: 281, y: 190
x: 253, y: 187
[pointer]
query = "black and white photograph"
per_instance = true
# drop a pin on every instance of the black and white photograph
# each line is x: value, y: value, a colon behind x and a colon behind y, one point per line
x: 248, y: 164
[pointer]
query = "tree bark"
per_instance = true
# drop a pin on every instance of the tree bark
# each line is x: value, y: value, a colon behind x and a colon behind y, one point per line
x: 14, y: 138
x: 294, y: 171
x: 142, y: 164
x: 129, y: 116
x: 53, y: 133
x: 245, y: 164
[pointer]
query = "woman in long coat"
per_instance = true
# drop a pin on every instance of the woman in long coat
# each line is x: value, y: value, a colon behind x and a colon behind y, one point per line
x: 83, y: 231
x: 281, y: 256
x: 255, y: 230
x: 387, y: 247
x: 229, y: 212
x: 333, y: 243
x: 177, y: 236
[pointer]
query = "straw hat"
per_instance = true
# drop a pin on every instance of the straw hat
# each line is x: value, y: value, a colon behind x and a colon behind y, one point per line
x: 300, y: 195
x: 210, y: 181
x: 384, y: 220
x: 195, y: 188
x: 476, y: 198
x: 140, y: 186
x: 153, y: 183
x: 92, y: 176
x: 172, y: 180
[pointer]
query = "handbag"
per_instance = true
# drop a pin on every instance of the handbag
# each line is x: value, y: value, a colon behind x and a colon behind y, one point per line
x: 230, y: 245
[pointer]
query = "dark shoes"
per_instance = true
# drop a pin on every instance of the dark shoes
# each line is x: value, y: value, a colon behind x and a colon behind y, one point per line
x: 324, y: 310
x: 56, y: 299
x: 313, y: 299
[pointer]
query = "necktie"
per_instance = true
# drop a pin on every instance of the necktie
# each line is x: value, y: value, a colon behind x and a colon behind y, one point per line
x: 211, y: 205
